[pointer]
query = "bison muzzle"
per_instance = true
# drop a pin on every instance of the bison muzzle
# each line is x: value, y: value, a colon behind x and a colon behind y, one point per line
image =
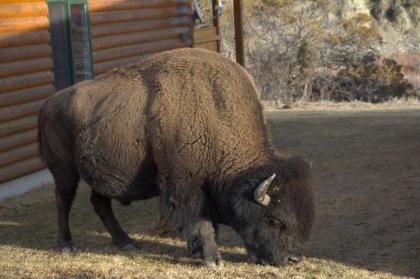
x: 186, y: 125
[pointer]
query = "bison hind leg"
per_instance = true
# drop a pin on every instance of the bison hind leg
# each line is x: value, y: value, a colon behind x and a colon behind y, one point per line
x: 66, y: 181
x: 103, y: 208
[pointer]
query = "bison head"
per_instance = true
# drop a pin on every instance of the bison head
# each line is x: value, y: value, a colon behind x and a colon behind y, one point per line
x: 274, y: 213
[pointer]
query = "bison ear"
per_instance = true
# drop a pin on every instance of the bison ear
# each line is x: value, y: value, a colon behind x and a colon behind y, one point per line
x: 260, y: 193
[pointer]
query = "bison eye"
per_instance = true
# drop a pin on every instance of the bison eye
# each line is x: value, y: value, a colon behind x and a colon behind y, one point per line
x: 274, y: 222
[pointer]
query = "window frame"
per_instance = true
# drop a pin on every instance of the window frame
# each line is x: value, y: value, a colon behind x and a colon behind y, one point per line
x: 69, y: 35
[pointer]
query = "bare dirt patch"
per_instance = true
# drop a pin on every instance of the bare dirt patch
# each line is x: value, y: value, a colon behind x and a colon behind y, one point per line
x: 367, y: 184
x: 367, y: 188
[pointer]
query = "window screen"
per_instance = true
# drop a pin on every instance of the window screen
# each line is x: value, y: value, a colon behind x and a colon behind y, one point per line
x: 69, y: 29
x: 59, y: 42
x: 80, y: 42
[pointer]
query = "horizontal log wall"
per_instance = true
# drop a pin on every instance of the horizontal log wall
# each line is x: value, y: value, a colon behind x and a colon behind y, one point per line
x: 26, y: 79
x: 125, y: 31
x: 18, y: 139
x: 20, y: 168
x: 18, y: 125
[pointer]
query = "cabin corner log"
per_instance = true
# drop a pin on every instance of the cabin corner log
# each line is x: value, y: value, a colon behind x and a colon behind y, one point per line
x: 18, y: 154
x: 25, y: 66
x: 18, y: 125
x: 26, y: 95
x: 20, y: 168
x: 114, y: 5
x: 136, y: 15
x: 18, y: 139
x: 136, y: 26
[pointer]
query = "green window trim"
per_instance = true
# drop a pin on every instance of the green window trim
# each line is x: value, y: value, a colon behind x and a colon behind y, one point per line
x: 69, y: 38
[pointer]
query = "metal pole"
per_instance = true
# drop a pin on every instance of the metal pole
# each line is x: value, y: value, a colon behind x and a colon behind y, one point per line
x: 216, y: 23
x: 239, y: 31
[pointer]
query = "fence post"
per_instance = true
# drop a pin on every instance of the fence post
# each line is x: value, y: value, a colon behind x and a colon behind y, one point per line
x: 239, y: 39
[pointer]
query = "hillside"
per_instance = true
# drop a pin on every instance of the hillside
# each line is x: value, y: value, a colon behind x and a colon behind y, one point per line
x: 329, y: 36
x: 398, y: 21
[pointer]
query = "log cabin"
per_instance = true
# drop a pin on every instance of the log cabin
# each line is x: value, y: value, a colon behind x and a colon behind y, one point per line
x: 47, y: 45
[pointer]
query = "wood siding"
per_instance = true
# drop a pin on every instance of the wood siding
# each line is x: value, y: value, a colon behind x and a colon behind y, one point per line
x: 122, y: 32
x: 26, y: 79
x: 125, y: 31
x: 207, y: 38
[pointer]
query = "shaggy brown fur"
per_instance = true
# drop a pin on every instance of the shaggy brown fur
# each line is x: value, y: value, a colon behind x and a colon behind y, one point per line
x: 187, y: 124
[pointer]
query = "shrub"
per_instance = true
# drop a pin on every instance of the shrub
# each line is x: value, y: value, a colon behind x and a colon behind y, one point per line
x: 372, y: 82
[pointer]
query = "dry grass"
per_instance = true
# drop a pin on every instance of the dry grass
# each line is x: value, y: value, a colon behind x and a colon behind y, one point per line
x: 367, y: 187
x: 397, y: 103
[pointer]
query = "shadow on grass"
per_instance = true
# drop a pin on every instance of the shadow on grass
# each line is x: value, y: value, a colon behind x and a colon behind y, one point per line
x: 98, y: 243
x: 31, y: 223
x: 366, y: 184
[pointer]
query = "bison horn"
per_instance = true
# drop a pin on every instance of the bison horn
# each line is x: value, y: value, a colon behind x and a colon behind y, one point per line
x: 260, y: 194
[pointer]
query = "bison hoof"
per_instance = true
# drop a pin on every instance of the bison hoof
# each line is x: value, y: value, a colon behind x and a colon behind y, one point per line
x: 66, y: 246
x: 213, y: 263
x: 252, y: 258
x: 129, y: 247
x: 210, y: 265
x: 68, y: 249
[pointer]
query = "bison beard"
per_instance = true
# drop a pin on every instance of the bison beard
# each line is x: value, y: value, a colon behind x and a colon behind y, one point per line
x: 186, y: 125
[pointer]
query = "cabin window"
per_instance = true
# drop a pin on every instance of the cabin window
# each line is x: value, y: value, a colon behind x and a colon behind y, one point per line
x: 70, y: 40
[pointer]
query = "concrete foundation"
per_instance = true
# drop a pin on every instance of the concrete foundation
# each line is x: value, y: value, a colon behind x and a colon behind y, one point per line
x: 24, y: 184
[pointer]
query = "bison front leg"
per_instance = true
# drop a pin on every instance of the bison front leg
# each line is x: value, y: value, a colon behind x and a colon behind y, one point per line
x: 201, y: 240
x: 186, y: 208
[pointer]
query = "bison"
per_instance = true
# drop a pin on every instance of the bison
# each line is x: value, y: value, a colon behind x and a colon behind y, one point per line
x: 187, y: 125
